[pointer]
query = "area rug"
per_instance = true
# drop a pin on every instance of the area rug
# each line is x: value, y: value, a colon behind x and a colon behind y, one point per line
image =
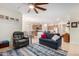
x: 41, y: 50
x: 35, y: 50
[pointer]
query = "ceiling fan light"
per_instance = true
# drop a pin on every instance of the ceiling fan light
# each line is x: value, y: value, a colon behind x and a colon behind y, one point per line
x: 31, y: 6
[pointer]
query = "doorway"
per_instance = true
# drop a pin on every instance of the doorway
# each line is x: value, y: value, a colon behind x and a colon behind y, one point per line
x: 36, y: 32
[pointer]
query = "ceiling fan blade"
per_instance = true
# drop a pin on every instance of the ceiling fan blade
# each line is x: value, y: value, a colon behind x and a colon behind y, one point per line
x: 29, y: 10
x: 40, y: 3
x: 35, y: 10
x: 40, y: 8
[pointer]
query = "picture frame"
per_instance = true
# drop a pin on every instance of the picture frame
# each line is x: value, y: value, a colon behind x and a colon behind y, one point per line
x: 37, y: 27
x: 1, y: 16
x: 7, y: 17
x: 17, y: 19
x: 68, y: 24
x: 11, y: 18
x: 74, y: 24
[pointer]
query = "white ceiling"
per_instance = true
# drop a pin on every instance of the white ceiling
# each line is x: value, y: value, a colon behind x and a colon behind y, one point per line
x: 55, y: 12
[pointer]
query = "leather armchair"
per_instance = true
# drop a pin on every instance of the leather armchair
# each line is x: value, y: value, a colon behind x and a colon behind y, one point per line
x: 19, y: 40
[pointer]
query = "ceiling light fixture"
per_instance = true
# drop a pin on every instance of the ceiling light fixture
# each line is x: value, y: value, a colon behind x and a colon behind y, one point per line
x: 36, y: 7
x: 31, y: 6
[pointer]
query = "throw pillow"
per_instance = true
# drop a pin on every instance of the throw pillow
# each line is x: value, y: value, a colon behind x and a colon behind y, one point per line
x: 55, y: 37
x: 48, y: 35
x: 44, y: 36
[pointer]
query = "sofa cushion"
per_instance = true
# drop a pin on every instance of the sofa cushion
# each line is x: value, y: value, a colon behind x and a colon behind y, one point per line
x: 55, y: 37
x: 49, y: 35
x: 23, y: 40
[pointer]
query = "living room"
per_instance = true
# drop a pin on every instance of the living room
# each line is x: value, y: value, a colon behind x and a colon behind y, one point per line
x: 61, y: 20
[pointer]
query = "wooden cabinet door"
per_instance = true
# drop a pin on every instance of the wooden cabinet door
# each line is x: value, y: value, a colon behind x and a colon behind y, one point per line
x: 66, y: 37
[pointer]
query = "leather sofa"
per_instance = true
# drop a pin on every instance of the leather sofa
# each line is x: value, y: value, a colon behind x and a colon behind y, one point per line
x: 50, y: 43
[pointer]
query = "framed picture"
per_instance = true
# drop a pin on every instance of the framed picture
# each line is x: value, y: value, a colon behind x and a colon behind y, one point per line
x: 74, y: 24
x: 11, y: 18
x: 37, y: 27
x: 17, y: 19
x: 1, y: 16
x: 7, y: 17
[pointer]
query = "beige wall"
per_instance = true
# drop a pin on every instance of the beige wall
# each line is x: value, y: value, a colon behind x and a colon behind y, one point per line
x: 74, y: 32
x: 7, y: 27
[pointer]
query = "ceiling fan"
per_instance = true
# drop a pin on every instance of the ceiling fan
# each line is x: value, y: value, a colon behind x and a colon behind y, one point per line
x: 36, y: 7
